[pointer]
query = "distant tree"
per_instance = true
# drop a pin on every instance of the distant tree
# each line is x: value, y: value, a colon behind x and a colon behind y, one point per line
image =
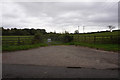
x: 76, y: 32
x: 38, y: 38
x: 66, y: 38
x: 111, y: 27
x: 25, y: 31
x: 54, y: 32
x: 66, y: 32
x: 32, y: 31
x: 50, y: 32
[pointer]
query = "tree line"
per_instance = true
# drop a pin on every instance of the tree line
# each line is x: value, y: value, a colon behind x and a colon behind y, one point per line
x: 32, y: 31
x: 25, y: 31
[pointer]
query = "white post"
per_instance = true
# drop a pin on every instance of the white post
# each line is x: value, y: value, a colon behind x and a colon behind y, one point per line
x: 83, y: 28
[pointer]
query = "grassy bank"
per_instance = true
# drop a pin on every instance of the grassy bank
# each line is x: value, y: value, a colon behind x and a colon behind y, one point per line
x: 26, y: 47
x: 106, y: 47
x: 22, y: 47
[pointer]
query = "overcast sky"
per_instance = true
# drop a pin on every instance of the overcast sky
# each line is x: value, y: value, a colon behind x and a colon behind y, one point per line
x: 60, y: 16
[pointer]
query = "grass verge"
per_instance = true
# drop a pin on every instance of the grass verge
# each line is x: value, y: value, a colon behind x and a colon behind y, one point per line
x: 106, y: 47
x: 21, y: 47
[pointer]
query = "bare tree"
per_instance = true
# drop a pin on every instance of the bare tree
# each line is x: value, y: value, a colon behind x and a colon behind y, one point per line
x: 111, y: 27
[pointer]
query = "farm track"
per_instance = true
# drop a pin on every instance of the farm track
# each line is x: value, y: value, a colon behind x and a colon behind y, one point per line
x: 65, y: 56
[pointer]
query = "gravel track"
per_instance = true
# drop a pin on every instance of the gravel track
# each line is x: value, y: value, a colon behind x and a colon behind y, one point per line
x: 65, y: 56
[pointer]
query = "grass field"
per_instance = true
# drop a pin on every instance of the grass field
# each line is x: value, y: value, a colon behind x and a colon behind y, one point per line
x: 14, y: 40
x: 106, y: 47
x: 102, y: 33
x: 12, y: 43
x: 22, y: 47
x: 103, y: 37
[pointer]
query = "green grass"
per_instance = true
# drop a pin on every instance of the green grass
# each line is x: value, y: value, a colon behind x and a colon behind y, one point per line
x: 14, y: 39
x: 99, y: 41
x: 102, y: 33
x: 103, y: 37
x: 16, y: 36
x: 22, y: 47
x: 106, y: 47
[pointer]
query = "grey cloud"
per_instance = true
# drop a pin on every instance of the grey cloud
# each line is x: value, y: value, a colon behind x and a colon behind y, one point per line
x: 64, y: 13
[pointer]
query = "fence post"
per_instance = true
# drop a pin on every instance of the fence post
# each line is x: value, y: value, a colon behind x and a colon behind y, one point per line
x: 118, y: 39
x: 94, y: 39
x: 78, y: 38
x: 111, y: 38
x: 88, y: 39
x: 84, y: 38
x: 18, y: 40
x: 102, y: 39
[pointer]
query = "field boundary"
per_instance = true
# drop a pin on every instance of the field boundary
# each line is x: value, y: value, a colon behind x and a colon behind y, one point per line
x: 110, y: 39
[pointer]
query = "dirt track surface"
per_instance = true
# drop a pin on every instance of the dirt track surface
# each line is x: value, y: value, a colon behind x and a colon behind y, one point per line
x: 67, y: 56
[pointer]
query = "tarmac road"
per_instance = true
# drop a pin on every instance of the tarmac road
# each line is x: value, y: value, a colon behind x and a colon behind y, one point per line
x: 30, y: 71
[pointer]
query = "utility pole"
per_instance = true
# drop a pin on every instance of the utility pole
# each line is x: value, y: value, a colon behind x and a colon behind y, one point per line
x: 78, y: 29
x: 83, y: 28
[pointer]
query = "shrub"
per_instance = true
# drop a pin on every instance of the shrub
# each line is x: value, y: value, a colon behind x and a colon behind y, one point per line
x: 66, y: 38
x: 38, y: 38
